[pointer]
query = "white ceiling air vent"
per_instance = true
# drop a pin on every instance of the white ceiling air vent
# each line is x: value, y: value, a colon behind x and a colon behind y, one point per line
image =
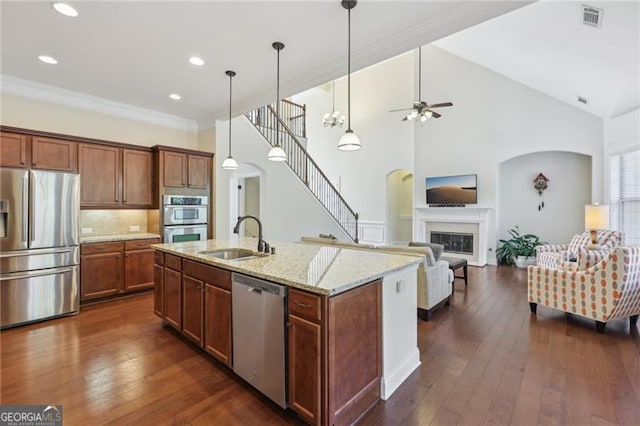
x: 592, y: 16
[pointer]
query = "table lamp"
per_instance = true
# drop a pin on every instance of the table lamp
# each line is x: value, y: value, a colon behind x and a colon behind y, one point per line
x: 596, y: 217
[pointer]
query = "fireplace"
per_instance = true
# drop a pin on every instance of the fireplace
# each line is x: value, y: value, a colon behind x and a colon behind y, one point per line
x: 454, y: 242
x: 464, y: 231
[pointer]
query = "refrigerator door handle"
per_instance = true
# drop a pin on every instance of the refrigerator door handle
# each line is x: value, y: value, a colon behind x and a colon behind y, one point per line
x: 38, y: 273
x: 32, y: 232
x: 25, y: 208
x: 19, y: 253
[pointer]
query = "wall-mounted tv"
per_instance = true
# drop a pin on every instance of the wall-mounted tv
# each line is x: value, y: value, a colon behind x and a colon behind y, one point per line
x: 452, y: 190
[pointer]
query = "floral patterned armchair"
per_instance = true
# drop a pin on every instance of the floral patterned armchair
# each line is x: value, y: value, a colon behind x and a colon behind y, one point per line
x: 576, y: 255
x: 608, y: 290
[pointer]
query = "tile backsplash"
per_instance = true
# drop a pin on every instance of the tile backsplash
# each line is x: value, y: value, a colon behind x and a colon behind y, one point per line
x: 111, y: 222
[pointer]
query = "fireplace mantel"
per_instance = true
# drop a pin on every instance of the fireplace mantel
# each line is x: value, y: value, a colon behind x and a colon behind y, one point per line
x: 480, y: 215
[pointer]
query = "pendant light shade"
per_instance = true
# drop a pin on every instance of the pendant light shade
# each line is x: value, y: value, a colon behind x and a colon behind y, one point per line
x: 277, y: 153
x: 229, y: 163
x: 349, y: 141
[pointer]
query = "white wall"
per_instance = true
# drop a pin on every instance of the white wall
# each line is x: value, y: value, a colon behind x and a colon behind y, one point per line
x: 33, y: 114
x: 569, y: 189
x: 621, y: 133
x: 387, y: 142
x: 399, y: 210
x: 494, y: 119
x: 288, y: 210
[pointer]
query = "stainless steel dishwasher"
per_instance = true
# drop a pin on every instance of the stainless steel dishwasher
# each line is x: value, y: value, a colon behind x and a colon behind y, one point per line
x: 258, y: 335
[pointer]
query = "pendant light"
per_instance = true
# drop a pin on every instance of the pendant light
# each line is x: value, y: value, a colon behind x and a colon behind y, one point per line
x: 333, y: 118
x: 349, y: 141
x: 276, y: 153
x: 229, y: 163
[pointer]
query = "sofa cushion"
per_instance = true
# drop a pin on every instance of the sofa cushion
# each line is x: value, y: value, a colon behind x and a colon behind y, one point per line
x: 436, y: 249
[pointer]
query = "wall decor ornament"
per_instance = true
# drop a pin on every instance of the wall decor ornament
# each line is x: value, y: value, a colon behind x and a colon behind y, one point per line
x: 540, y: 184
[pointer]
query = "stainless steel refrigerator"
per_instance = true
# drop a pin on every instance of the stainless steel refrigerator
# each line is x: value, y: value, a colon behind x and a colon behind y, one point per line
x: 39, y: 251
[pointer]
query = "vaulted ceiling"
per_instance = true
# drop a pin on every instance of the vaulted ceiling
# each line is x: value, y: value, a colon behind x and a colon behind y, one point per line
x: 137, y: 52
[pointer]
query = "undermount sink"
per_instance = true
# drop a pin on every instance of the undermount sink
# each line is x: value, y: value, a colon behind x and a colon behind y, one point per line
x: 231, y: 254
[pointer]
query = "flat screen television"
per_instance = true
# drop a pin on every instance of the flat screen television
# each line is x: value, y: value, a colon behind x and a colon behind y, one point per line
x: 452, y: 190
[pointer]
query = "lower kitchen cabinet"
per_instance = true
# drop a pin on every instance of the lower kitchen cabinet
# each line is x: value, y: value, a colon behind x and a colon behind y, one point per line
x: 305, y: 350
x: 173, y: 298
x: 192, y: 290
x: 100, y: 270
x: 114, y: 268
x: 158, y: 283
x: 196, y: 300
x: 217, y: 322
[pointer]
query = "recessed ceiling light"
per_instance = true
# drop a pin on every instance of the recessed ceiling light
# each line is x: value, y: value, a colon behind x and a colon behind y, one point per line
x: 48, y: 59
x: 65, y: 9
x: 175, y: 96
x: 195, y: 60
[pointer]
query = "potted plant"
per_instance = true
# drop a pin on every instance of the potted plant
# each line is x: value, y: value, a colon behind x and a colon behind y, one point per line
x: 519, y: 249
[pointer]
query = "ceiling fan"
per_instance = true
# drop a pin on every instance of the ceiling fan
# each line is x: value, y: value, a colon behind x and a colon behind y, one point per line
x: 421, y: 109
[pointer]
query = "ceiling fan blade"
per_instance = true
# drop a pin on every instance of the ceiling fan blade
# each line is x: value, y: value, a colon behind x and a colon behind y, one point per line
x: 435, y: 114
x: 397, y: 110
x: 444, y: 104
x: 405, y: 119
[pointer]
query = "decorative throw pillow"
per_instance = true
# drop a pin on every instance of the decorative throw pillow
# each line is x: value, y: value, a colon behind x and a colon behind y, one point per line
x: 579, y: 241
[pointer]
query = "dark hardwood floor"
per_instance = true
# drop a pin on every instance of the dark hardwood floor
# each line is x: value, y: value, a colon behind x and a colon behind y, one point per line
x: 485, y: 360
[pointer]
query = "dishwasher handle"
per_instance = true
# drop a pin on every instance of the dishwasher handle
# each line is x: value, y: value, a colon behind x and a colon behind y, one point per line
x: 259, y: 286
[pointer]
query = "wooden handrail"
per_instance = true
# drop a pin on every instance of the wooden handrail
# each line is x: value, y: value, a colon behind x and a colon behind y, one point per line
x: 274, y: 128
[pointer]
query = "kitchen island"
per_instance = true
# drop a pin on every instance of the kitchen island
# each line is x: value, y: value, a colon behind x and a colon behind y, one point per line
x: 350, y: 319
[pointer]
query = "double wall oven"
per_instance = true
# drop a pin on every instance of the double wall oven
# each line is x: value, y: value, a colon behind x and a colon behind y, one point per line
x: 185, y: 218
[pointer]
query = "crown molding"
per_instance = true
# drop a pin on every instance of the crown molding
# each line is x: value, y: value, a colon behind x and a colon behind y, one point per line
x: 43, y: 92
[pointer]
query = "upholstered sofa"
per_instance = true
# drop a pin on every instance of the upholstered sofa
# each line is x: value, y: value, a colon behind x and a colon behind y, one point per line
x: 607, y: 290
x: 577, y: 255
x: 434, y: 277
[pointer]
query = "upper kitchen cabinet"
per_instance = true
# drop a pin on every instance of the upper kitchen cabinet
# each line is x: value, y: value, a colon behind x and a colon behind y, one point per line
x: 14, y: 149
x: 54, y: 154
x: 187, y: 170
x: 137, y: 172
x: 113, y: 177
x: 100, y: 176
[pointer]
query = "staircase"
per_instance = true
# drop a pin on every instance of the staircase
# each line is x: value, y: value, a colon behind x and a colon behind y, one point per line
x: 292, y: 122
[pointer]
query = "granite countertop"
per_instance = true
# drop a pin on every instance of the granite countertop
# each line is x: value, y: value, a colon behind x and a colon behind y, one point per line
x: 116, y: 237
x: 320, y: 269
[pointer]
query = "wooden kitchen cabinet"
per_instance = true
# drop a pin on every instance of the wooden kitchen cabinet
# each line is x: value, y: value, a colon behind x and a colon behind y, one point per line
x: 158, y: 283
x: 305, y: 354
x: 217, y: 323
x: 14, y: 149
x: 175, y: 169
x: 54, y: 154
x: 182, y: 170
x: 99, y: 176
x: 138, y: 264
x: 100, y: 270
x: 113, y: 177
x: 198, y: 171
x: 137, y: 173
x: 114, y: 268
x: 173, y: 291
x: 192, y: 290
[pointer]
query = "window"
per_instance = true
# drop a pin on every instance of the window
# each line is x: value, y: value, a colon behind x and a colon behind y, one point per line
x: 625, y: 195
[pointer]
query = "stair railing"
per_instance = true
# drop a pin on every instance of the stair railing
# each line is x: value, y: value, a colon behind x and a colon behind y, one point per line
x: 293, y: 114
x: 266, y: 121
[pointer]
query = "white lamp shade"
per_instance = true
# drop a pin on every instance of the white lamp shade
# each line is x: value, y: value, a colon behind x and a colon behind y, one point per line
x: 277, y: 154
x: 349, y: 142
x: 596, y: 216
x: 230, y: 164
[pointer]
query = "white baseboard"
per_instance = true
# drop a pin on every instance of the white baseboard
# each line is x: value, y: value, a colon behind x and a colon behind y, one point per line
x: 392, y: 381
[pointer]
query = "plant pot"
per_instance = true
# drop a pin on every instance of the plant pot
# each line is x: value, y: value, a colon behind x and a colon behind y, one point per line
x: 524, y: 261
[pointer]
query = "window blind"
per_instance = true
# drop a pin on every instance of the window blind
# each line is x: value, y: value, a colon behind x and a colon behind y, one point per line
x: 625, y: 195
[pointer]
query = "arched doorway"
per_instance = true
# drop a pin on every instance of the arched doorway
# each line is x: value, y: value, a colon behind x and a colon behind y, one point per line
x: 399, y: 207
